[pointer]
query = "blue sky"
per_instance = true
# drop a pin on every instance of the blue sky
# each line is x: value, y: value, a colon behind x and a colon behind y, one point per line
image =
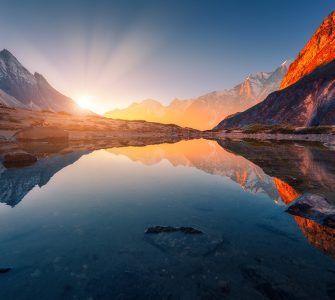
x: 117, y: 52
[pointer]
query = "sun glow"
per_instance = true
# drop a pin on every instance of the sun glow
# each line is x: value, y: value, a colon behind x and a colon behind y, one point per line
x: 84, y: 101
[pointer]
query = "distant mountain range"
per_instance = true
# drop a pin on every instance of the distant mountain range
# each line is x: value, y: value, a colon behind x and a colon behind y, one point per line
x: 206, y: 111
x: 297, y: 94
x: 307, y: 95
x: 21, y: 89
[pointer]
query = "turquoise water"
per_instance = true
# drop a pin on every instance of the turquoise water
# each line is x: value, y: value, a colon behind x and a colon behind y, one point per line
x: 75, y: 226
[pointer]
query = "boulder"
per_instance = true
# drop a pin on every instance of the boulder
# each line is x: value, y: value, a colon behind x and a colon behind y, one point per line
x: 42, y: 133
x: 18, y: 159
x: 313, y: 207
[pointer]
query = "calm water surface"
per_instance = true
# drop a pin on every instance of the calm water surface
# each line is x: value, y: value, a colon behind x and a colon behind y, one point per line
x: 72, y: 225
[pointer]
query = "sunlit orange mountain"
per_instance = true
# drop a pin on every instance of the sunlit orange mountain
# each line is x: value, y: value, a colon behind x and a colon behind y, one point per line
x: 317, y: 52
x: 308, y: 89
x: 206, y: 111
x: 207, y: 156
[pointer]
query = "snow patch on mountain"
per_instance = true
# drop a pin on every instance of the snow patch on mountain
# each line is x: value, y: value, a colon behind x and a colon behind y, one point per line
x: 20, y: 88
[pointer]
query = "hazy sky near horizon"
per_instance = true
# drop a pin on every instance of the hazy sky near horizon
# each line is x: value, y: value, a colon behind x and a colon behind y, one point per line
x: 118, y: 52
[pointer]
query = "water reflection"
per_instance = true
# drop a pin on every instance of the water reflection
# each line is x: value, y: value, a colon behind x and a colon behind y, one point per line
x: 82, y: 235
x: 321, y: 237
x: 207, y: 156
x: 258, y: 167
x: 15, y: 183
x: 307, y: 167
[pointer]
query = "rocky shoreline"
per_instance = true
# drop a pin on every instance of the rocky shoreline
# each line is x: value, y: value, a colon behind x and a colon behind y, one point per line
x: 323, y: 138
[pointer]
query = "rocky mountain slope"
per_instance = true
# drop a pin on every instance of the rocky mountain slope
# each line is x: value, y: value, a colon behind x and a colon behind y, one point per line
x: 310, y: 101
x: 206, y: 111
x: 19, y: 88
x: 318, y: 51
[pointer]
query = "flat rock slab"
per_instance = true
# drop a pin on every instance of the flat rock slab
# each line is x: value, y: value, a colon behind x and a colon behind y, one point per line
x: 183, y: 241
x: 314, y: 207
x: 18, y: 159
x: 166, y: 229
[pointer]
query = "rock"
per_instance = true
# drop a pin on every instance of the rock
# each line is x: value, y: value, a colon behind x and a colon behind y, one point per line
x: 18, y: 159
x: 161, y: 229
x: 184, y: 241
x: 5, y: 270
x: 190, y: 230
x: 42, y: 133
x: 224, y: 287
x: 313, y: 207
x: 181, y: 244
x: 271, y: 284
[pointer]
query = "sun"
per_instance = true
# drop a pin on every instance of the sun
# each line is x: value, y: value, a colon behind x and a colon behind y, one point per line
x: 84, y: 101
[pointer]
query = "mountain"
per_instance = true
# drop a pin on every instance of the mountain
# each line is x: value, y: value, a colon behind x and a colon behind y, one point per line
x: 9, y: 101
x: 20, y: 88
x: 317, y: 52
x: 310, y: 101
x: 207, y: 110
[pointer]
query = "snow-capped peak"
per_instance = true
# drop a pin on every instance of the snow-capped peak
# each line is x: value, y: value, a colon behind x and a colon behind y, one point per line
x: 286, y: 63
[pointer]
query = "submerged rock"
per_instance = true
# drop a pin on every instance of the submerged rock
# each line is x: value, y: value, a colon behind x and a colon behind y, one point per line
x: 224, y: 287
x: 183, y: 241
x: 180, y: 244
x: 314, y: 207
x: 18, y: 159
x: 161, y: 229
x: 5, y: 270
x: 270, y: 283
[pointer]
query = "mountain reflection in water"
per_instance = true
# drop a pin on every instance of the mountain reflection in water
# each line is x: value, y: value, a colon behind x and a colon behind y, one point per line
x: 259, y: 167
x: 207, y: 156
x: 73, y: 226
x: 282, y: 171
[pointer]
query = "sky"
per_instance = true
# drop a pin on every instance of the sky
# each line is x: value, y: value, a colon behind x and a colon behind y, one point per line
x: 111, y: 53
